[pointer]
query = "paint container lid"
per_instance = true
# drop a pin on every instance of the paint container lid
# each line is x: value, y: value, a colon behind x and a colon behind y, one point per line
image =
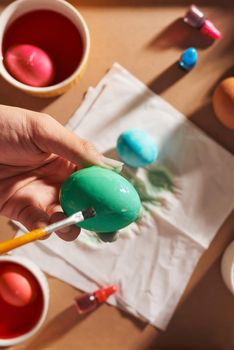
x: 104, y: 293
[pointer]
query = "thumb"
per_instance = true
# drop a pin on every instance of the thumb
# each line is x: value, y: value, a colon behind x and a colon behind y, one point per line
x: 51, y: 137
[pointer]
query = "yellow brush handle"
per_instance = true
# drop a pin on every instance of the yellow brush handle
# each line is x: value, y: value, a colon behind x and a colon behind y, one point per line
x: 21, y: 240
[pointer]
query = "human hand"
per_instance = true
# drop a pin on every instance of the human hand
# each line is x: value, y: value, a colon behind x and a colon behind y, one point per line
x: 37, y: 155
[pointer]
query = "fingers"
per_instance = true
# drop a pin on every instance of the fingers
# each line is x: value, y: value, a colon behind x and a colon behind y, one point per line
x: 52, y: 137
x: 33, y: 217
x: 69, y: 233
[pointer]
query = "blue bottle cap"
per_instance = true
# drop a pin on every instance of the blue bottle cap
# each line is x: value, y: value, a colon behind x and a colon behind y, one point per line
x: 188, y: 58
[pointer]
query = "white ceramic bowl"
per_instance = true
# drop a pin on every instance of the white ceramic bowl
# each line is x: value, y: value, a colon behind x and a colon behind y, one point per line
x: 40, y: 277
x: 227, y: 267
x: 21, y: 7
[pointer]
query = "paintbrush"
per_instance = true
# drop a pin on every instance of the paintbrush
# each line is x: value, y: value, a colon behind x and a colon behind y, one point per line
x: 43, y: 231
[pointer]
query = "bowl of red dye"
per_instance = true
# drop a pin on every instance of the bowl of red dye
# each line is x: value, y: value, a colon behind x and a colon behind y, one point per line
x: 24, y: 299
x: 44, y: 46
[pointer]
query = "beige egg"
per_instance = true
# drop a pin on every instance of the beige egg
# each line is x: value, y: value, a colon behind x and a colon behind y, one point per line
x: 223, y: 102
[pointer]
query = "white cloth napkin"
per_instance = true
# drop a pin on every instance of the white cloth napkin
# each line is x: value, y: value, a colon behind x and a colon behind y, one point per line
x: 153, y: 259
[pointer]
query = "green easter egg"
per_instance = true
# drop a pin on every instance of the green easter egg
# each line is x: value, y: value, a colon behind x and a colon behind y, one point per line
x: 114, y: 199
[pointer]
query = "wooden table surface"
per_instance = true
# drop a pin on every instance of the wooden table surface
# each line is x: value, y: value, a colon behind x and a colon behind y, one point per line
x: 147, y: 37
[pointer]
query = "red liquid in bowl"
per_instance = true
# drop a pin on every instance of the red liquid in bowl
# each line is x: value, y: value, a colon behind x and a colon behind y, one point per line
x: 16, y: 321
x: 53, y: 33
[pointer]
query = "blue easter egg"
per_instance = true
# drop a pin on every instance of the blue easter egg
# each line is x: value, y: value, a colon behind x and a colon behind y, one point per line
x: 136, y: 148
x: 188, y: 58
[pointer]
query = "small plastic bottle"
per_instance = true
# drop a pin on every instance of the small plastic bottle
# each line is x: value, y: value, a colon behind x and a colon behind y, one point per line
x: 196, y: 18
x: 89, y: 302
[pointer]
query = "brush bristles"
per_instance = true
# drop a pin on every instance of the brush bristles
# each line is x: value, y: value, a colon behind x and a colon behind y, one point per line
x: 88, y: 213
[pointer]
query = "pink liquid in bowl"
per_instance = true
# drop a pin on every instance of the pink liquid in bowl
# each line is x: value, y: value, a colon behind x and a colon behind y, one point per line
x: 51, y: 32
x: 15, y: 321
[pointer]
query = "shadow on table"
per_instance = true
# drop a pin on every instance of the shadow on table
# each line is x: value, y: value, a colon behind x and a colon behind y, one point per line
x: 55, y: 329
x: 205, y: 119
x: 228, y: 73
x: 11, y: 96
x: 62, y: 324
x: 167, y: 78
x: 141, y: 325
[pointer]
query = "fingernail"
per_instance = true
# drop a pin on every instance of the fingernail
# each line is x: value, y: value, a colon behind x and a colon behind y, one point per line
x: 112, y: 164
